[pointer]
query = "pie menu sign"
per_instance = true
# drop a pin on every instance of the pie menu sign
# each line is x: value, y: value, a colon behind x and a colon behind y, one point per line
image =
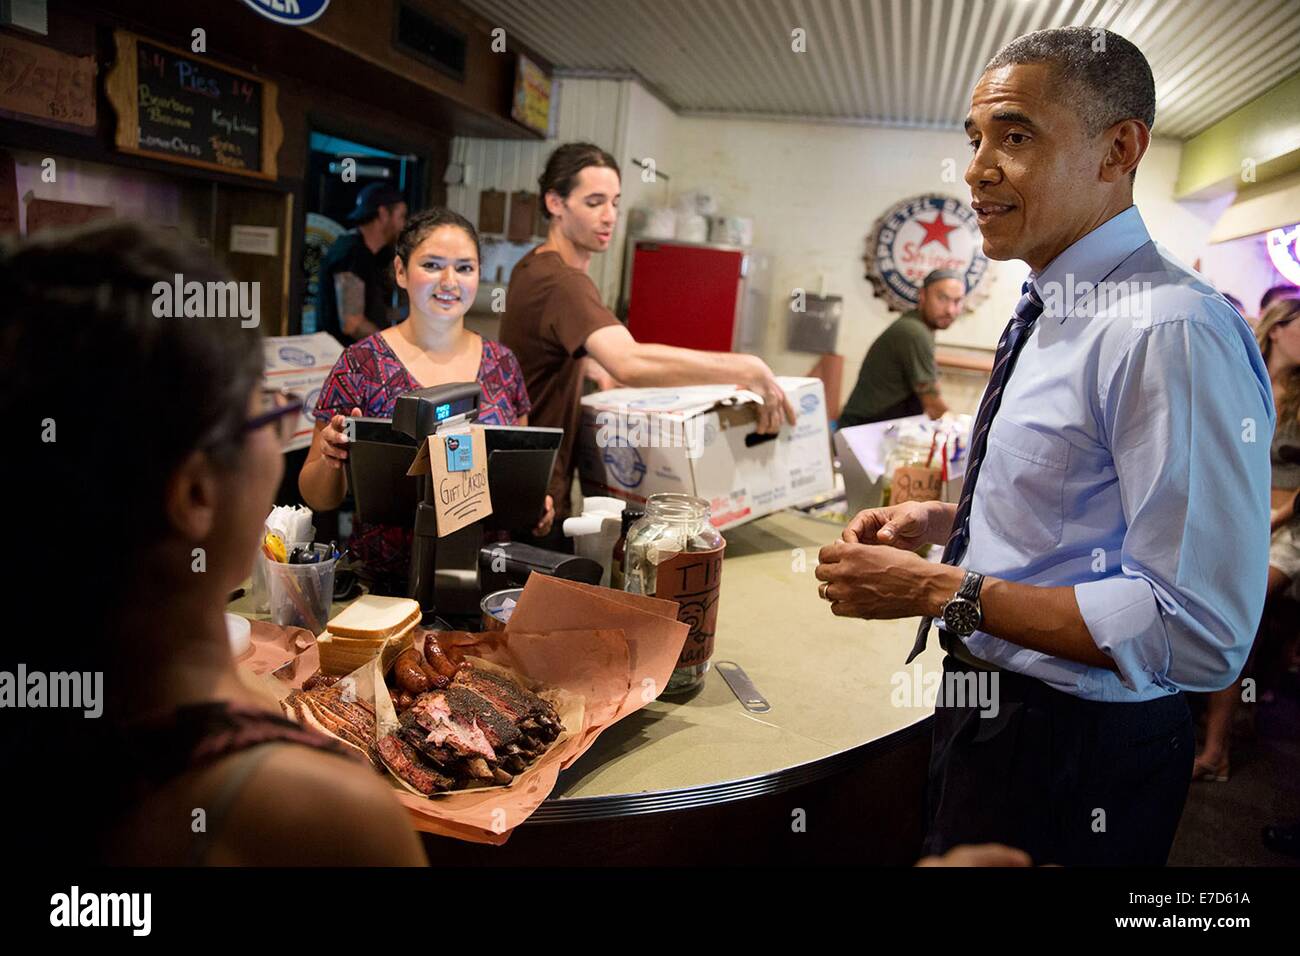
x: 185, y: 108
x: 195, y: 110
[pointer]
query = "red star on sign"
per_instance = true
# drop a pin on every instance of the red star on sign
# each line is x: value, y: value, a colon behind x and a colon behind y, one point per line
x: 936, y: 231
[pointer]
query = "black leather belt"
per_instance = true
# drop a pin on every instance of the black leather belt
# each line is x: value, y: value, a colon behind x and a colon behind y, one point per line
x: 958, y: 649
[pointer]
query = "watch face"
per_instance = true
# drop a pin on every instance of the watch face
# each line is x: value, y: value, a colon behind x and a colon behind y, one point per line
x: 961, y: 617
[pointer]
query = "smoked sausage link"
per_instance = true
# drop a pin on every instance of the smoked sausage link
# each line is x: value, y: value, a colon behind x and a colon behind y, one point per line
x: 409, y: 673
x: 437, y: 659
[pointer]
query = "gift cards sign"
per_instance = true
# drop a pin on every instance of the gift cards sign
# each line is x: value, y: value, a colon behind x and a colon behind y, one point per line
x: 456, y: 463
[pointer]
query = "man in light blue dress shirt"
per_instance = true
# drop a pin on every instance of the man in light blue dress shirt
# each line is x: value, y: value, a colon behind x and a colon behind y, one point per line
x: 1120, y: 518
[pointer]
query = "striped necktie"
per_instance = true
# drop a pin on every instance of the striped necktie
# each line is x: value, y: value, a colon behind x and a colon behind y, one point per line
x: 1028, y: 309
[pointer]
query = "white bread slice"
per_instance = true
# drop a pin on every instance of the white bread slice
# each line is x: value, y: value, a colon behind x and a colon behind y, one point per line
x: 353, y: 643
x: 342, y: 655
x: 372, y: 616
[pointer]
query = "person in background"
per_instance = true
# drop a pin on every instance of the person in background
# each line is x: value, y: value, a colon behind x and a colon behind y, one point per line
x: 176, y: 517
x: 437, y: 263
x: 1278, y: 335
x: 555, y: 318
x: 1090, y: 576
x: 1286, y: 291
x: 355, y: 289
x: 898, y: 376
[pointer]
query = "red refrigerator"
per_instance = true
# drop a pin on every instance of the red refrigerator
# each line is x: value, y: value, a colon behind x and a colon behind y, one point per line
x: 697, y: 295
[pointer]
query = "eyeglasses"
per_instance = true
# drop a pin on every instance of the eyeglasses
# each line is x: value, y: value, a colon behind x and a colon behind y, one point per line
x: 280, y: 407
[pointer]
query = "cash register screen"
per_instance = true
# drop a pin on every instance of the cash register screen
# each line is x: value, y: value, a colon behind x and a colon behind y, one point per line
x: 451, y: 409
x: 520, y: 461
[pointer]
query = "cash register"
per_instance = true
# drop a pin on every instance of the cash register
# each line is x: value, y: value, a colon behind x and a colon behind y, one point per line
x: 448, y: 575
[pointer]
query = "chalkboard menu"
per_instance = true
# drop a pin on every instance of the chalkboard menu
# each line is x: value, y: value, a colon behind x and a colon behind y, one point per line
x: 197, y: 111
x: 187, y: 109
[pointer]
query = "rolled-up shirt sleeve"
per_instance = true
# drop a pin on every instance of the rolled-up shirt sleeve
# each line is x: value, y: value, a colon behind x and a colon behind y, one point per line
x: 1189, y: 429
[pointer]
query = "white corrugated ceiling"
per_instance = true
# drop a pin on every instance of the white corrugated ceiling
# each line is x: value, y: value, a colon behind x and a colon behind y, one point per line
x: 903, y: 62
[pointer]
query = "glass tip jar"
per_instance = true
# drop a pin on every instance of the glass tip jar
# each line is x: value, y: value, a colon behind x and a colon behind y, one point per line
x: 674, y: 552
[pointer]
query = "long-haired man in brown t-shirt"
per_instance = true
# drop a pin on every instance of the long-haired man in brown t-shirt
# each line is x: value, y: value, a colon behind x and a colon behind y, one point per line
x: 561, y: 332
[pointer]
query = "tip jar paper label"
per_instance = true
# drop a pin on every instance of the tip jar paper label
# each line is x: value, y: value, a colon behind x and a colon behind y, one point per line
x: 693, y: 579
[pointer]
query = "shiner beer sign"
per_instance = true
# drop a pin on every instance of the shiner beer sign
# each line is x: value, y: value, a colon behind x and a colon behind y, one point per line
x: 295, y: 13
x: 917, y: 236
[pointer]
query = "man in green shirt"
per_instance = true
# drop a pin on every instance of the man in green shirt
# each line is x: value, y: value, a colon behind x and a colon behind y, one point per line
x: 898, y: 377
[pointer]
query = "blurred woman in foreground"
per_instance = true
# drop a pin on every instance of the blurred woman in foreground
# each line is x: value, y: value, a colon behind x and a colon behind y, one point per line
x: 158, y: 458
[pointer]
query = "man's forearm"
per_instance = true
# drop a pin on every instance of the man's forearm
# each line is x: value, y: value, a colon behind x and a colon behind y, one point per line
x: 932, y: 402
x: 594, y: 372
x: 667, y: 365
x: 1045, y: 619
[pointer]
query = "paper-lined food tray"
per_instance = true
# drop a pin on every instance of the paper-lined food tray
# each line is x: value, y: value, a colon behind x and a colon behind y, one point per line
x: 584, y: 673
x: 653, y: 635
x: 596, y: 655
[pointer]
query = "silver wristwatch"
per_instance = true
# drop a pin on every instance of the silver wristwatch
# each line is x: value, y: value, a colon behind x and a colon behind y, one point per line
x: 962, y: 614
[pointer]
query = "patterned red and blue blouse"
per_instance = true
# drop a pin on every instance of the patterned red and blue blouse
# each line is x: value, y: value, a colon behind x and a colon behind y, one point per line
x: 370, y: 376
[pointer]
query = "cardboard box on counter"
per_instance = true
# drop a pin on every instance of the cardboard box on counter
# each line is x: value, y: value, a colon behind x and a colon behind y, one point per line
x: 702, y: 440
x: 300, y: 363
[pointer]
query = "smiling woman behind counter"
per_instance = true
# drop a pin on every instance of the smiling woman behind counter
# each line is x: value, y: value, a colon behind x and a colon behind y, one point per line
x: 153, y: 492
x: 437, y: 264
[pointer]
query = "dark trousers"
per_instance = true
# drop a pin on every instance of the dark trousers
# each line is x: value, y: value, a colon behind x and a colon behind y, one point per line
x: 1067, y: 780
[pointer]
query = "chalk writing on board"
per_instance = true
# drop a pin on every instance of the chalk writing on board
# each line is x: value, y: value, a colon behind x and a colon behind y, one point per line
x: 197, y: 110
x: 165, y: 110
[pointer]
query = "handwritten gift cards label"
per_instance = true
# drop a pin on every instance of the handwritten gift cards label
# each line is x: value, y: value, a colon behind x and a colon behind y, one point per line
x: 456, y: 464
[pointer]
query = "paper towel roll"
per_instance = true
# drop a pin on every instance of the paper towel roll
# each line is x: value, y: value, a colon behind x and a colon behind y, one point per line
x: 660, y: 223
x: 692, y: 229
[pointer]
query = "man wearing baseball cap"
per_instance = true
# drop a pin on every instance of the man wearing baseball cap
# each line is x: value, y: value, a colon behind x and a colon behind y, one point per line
x: 898, y: 376
x: 355, y: 292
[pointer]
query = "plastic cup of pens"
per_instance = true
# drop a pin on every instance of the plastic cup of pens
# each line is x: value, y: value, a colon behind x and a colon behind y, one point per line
x: 302, y: 587
x: 261, y: 590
